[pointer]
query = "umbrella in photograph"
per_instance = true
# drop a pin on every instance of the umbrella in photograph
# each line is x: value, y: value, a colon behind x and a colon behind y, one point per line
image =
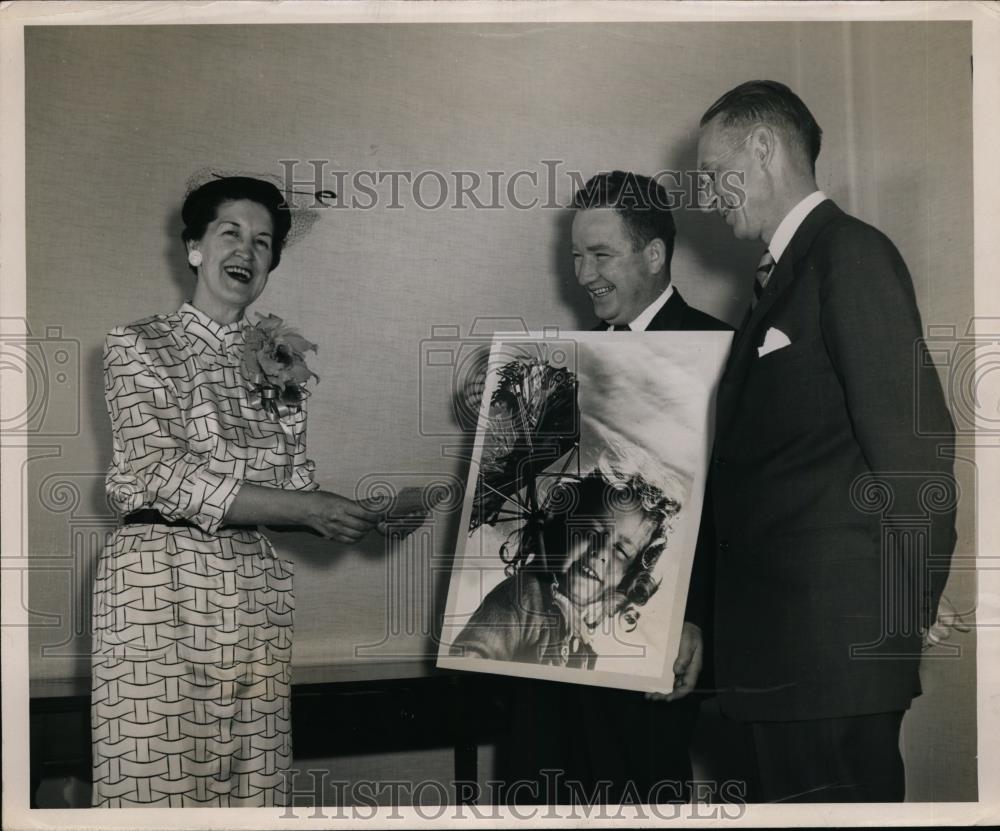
x: 534, y: 420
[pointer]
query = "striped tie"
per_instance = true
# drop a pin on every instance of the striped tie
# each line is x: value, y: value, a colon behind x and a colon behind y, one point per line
x: 764, y: 269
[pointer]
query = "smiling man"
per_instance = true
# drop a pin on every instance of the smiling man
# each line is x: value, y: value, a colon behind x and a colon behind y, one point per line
x: 623, y: 241
x: 819, y: 609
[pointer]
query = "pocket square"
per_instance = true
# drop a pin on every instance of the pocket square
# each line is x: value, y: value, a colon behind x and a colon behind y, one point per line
x: 774, y: 339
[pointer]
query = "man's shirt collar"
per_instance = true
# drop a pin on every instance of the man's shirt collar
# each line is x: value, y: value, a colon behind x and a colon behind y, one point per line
x: 790, y: 224
x: 646, y: 316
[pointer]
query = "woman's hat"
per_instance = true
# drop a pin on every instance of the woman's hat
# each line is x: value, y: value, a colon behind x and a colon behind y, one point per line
x: 302, y: 204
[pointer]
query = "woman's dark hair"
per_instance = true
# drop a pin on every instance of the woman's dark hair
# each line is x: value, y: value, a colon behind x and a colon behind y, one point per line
x: 202, y: 207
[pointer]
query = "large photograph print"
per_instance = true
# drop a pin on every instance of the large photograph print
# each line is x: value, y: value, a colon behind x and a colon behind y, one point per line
x: 582, y: 508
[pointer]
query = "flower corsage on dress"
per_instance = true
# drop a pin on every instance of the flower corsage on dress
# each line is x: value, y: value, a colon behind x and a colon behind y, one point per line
x: 275, y: 366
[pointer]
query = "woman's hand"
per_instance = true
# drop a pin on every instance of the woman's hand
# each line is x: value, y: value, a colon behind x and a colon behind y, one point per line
x: 409, y: 504
x: 328, y: 514
x: 338, y: 518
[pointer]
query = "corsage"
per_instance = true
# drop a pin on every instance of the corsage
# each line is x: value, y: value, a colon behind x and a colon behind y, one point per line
x: 275, y: 366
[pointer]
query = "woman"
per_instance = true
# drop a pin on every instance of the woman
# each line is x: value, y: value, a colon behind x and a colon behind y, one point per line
x: 193, y: 610
x: 601, y: 540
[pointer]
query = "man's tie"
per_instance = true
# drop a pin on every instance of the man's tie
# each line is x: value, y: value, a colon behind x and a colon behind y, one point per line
x: 764, y: 269
x: 624, y: 327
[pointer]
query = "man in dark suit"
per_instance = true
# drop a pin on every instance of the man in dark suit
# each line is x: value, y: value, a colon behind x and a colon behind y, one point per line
x: 620, y: 746
x: 623, y: 241
x: 820, y: 602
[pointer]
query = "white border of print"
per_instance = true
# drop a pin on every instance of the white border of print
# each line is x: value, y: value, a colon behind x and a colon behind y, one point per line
x: 712, y: 347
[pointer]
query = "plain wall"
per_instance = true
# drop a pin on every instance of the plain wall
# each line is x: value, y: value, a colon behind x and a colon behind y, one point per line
x: 119, y: 117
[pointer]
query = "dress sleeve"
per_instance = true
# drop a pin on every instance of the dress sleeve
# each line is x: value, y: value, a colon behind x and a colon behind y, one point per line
x: 153, y: 465
x: 303, y: 475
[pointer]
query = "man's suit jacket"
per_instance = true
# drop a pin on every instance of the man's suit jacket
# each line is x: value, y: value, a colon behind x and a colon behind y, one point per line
x: 677, y: 315
x: 813, y: 596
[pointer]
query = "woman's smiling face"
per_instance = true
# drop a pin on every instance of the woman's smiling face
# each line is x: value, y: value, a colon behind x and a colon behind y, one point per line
x: 236, y: 259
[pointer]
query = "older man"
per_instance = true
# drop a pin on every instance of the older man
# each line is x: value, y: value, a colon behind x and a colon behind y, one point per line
x: 820, y: 606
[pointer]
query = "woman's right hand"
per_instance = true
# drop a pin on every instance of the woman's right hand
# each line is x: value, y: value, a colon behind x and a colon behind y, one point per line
x: 338, y: 518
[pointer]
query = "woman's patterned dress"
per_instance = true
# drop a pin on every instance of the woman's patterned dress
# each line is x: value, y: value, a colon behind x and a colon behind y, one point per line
x: 192, y: 625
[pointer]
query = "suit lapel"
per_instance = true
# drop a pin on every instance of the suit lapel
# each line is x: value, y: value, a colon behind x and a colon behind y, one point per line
x: 780, y: 278
x: 670, y: 316
x: 747, y: 337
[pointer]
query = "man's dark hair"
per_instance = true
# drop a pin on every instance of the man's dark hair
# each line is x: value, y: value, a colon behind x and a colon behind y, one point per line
x: 641, y: 202
x: 774, y: 104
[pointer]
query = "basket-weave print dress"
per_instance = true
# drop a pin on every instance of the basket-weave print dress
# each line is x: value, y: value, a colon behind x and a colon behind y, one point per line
x: 192, y: 625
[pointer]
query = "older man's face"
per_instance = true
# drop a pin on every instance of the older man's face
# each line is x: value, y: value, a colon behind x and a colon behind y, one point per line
x: 733, y: 184
x: 616, y: 277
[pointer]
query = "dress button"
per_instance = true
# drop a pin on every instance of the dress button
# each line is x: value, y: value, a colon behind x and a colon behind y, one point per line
x: 724, y: 545
x: 720, y: 462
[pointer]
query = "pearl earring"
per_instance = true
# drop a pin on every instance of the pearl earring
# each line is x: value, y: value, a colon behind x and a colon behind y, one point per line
x: 194, y: 257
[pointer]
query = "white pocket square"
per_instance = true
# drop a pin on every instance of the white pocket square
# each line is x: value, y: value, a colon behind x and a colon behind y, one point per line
x: 774, y: 339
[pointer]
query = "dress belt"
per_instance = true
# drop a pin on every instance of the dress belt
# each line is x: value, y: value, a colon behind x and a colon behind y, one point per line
x: 151, y: 516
